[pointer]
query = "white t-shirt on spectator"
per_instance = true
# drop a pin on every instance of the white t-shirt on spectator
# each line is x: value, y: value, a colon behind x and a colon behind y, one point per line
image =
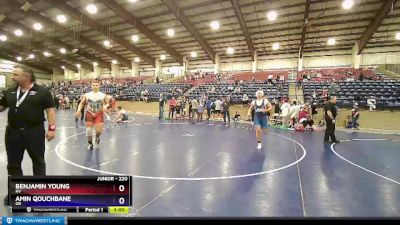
x: 285, y: 109
x: 294, y: 111
x: 218, y: 104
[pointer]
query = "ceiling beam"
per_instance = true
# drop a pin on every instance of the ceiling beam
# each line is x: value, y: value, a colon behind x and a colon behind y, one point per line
x: 131, y: 19
x: 48, y: 22
x: 3, y: 55
x: 16, y: 50
x: 173, y: 8
x: 38, y: 46
x: 243, y: 26
x: 86, y: 20
x: 304, y: 28
x: 375, y: 23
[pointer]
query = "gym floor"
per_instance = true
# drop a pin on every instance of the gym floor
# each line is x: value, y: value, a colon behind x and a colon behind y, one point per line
x: 213, y: 169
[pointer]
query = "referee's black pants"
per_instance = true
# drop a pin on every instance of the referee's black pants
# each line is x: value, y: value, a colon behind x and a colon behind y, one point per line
x: 330, y: 131
x: 33, y: 140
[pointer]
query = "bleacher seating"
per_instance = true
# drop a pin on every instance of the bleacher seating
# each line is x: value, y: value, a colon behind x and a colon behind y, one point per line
x: 127, y: 92
x: 386, y: 93
x: 154, y: 90
x: 327, y: 74
x: 261, y: 75
x: 222, y: 90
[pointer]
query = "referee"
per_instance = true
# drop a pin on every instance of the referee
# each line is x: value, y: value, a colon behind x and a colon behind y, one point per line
x: 26, y: 103
x: 330, y: 118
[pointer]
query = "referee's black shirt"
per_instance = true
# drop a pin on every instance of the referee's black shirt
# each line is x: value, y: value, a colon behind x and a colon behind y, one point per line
x: 31, y: 111
x: 329, y: 106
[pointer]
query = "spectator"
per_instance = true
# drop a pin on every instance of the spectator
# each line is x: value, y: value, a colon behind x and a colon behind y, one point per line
x: 371, y: 102
x: 200, y: 109
x: 285, y: 108
x: 208, y: 108
x: 333, y: 88
x: 305, y: 118
x: 237, y: 117
x: 314, y: 95
x: 355, y: 115
x: 253, y: 79
x: 225, y: 109
x: 293, y: 113
x: 361, y: 77
x: 195, y: 106
x: 161, y: 104
x: 218, y: 104
x: 314, y: 112
x: 172, y: 104
x: 245, y: 100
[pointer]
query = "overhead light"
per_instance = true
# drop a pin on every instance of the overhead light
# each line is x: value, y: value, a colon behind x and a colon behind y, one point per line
x: 63, y: 67
x: 135, y: 38
x: 31, y: 56
x: 193, y: 54
x: 230, y: 50
x: 214, y: 25
x: 37, y: 26
x: 63, y: 50
x: 107, y: 43
x: 331, y: 41
x: 132, y: 1
x: 137, y: 59
x: 397, y: 36
x: 61, y: 18
x: 18, y: 32
x: 347, y: 4
x: 75, y: 50
x: 95, y: 64
x: 3, y: 37
x: 170, y: 32
x: 114, y: 62
x: 162, y: 57
x: 78, y: 65
x: 47, y: 54
x: 91, y: 8
x: 272, y: 15
x: 275, y: 46
x: 19, y: 58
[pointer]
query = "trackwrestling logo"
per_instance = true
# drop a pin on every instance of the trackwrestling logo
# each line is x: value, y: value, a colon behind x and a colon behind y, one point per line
x: 32, y: 220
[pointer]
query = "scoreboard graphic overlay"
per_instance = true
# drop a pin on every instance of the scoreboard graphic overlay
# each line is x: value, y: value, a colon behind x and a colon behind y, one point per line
x: 77, y: 194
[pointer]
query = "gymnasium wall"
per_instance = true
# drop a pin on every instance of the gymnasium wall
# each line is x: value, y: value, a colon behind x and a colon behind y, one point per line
x: 343, y: 58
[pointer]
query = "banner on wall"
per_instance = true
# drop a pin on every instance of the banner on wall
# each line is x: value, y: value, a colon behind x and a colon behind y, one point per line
x: 2, y: 81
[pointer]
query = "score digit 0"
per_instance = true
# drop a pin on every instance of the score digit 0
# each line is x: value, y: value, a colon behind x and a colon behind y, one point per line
x: 121, y: 188
x: 121, y: 200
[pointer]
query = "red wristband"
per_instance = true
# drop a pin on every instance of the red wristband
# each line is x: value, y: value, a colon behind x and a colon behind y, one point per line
x: 52, y: 127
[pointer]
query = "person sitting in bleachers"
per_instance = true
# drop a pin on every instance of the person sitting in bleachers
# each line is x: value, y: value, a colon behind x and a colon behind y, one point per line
x: 333, y: 87
x: 237, y: 89
x: 371, y: 102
